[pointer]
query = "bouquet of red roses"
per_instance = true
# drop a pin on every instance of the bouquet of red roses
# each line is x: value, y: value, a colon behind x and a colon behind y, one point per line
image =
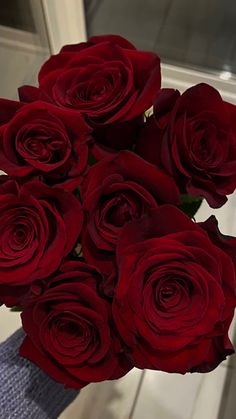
x: 98, y: 246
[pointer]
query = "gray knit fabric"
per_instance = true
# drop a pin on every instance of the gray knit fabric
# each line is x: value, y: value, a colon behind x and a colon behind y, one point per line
x: 27, y: 392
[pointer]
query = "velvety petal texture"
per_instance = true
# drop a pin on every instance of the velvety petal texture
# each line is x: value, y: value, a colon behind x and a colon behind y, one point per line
x: 193, y: 137
x: 39, y: 139
x: 39, y: 226
x: 175, y: 296
x: 69, y: 329
x: 95, y: 250
x: 107, y: 79
x: 119, y: 189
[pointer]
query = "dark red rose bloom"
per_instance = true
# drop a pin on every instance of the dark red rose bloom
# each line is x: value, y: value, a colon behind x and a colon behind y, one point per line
x: 42, y: 139
x: 39, y: 226
x: 193, y: 136
x: 227, y: 243
x: 105, y: 78
x: 69, y: 329
x: 175, y: 296
x: 117, y: 190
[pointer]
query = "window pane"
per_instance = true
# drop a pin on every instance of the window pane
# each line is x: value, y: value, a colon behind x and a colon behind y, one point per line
x: 12, y: 14
x: 198, y: 34
x: 24, y: 44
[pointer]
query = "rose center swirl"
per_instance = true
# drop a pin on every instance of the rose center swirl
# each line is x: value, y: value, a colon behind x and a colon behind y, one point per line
x: 120, y: 208
x: 171, y: 294
x: 36, y: 143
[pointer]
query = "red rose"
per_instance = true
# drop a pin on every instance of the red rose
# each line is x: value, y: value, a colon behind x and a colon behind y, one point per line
x: 105, y: 78
x: 70, y: 331
x: 227, y: 243
x: 175, y: 296
x: 193, y: 137
x: 39, y: 226
x: 117, y: 190
x: 42, y: 139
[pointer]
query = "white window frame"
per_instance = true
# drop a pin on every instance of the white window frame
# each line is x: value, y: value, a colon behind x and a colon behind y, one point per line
x: 182, y: 78
x: 65, y: 22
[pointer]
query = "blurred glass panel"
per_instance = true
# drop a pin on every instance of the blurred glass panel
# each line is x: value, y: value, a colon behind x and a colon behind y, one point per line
x: 197, y: 34
x: 17, y: 14
x: 23, y: 44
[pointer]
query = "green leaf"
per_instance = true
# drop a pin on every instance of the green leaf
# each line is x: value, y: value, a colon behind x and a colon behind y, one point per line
x: 190, y: 204
x: 91, y: 160
x: 16, y: 309
x: 77, y: 193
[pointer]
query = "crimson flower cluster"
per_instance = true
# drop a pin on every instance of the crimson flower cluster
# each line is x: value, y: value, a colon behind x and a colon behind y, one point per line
x: 98, y: 246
